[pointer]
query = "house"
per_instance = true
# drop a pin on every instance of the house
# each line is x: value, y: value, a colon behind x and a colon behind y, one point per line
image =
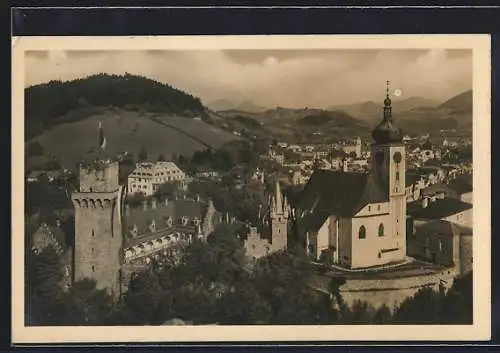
x: 442, y: 243
x: 446, y: 209
x: 462, y: 185
x: 147, y: 177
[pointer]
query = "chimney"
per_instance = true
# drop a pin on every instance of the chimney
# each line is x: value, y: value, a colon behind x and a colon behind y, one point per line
x: 197, y: 197
x: 145, y: 205
x: 153, y: 203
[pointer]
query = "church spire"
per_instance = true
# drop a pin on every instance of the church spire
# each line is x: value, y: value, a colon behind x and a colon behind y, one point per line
x: 386, y: 132
x: 387, y: 104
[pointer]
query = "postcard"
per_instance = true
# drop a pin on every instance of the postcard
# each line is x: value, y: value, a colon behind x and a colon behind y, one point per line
x: 251, y: 188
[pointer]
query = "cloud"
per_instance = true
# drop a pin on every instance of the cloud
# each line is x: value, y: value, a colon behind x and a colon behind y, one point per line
x: 271, y: 78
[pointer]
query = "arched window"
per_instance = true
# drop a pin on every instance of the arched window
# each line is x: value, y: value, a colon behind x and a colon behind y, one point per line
x: 381, y: 230
x: 397, y: 176
x: 362, y: 232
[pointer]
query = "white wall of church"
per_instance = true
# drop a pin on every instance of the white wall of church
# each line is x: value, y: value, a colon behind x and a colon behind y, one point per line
x: 367, y: 252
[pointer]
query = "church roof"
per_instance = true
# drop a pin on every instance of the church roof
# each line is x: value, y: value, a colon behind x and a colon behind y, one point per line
x: 339, y: 193
x: 440, y: 208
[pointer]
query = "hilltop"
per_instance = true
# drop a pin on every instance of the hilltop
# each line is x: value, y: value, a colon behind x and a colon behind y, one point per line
x: 50, y: 104
x: 225, y: 105
x: 418, y: 115
x: 306, y: 125
x: 62, y: 119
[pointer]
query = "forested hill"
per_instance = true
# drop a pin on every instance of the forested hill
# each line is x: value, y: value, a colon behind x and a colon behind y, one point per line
x: 47, y: 104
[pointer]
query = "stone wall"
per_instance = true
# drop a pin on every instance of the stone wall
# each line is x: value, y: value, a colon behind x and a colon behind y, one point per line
x: 392, y: 292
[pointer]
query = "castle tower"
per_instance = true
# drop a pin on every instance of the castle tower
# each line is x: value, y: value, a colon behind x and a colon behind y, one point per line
x: 388, y: 167
x: 279, y: 219
x: 98, y: 225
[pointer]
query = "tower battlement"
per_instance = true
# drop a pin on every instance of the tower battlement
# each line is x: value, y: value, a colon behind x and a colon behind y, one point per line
x: 99, y: 176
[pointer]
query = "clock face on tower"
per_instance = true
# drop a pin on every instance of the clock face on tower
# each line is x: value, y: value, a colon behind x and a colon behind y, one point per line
x: 397, y: 157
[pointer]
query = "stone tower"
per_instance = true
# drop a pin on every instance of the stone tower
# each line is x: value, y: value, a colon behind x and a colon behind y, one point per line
x: 98, y: 225
x: 279, y: 220
x: 388, y: 166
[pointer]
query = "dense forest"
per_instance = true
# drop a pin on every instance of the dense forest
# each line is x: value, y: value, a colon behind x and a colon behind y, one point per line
x: 51, y: 103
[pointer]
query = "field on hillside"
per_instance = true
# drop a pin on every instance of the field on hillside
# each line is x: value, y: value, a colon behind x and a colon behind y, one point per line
x: 128, y: 131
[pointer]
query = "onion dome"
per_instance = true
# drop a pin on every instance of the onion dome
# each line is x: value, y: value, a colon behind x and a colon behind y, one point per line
x: 386, y: 132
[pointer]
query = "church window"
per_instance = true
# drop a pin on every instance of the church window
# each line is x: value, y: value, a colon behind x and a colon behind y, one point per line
x: 92, y: 250
x: 381, y: 230
x: 93, y: 233
x: 397, y: 176
x: 362, y: 232
x: 93, y: 268
x: 369, y: 208
x: 378, y: 208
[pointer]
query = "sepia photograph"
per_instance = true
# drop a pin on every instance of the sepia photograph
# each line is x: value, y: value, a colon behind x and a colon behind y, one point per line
x: 244, y: 188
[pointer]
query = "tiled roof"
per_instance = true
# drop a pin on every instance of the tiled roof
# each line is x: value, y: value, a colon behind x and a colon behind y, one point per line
x: 443, y: 228
x: 340, y: 193
x: 437, y: 209
x: 176, y: 209
x: 335, y: 153
x: 52, y: 232
x: 462, y: 184
x: 439, y: 188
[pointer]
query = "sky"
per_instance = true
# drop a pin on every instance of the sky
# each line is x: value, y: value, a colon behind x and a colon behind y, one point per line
x: 270, y: 78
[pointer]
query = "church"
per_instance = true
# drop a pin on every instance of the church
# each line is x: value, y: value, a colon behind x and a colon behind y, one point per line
x: 358, y: 220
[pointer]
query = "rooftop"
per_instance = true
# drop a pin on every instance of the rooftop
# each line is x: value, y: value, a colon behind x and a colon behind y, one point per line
x: 443, y: 228
x: 340, y: 193
x: 462, y: 184
x: 437, y: 209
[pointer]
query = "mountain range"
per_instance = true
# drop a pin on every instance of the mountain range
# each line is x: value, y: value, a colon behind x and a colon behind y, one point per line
x: 226, y: 104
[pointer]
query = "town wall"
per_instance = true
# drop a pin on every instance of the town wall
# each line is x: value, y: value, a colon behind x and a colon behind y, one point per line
x: 392, y: 292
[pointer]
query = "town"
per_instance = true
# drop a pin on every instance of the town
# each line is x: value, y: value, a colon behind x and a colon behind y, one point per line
x: 363, y: 215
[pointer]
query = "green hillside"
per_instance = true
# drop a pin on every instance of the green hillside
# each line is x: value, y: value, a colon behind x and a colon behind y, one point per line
x: 161, y: 134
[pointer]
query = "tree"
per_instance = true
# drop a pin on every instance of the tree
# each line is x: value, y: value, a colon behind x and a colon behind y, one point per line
x: 423, y: 308
x: 161, y: 158
x: 142, y: 298
x: 84, y: 304
x: 44, y: 276
x: 168, y: 190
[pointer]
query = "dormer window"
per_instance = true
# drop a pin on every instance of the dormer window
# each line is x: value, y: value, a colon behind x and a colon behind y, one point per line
x: 184, y: 221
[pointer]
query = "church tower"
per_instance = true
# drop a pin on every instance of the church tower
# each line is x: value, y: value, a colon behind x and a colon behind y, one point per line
x: 279, y: 220
x: 388, y: 167
x: 99, y: 205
